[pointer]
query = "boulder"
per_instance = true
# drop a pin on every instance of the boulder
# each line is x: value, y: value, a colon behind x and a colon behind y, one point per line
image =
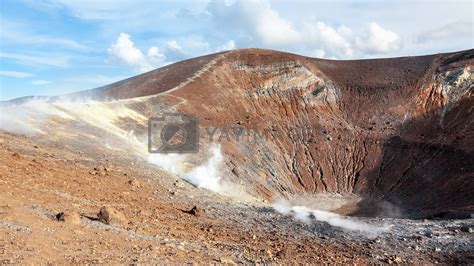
x: 70, y: 217
x: 111, y: 216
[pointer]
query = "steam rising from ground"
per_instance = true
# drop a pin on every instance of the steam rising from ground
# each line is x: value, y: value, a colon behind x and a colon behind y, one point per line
x: 26, y: 118
x: 45, y: 115
x: 206, y: 175
x: 306, y: 215
x: 173, y: 163
x: 31, y: 116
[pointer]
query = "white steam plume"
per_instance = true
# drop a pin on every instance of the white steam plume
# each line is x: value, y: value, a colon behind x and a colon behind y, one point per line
x: 206, y: 175
x: 50, y: 115
x: 305, y: 215
x: 25, y: 118
x: 173, y: 163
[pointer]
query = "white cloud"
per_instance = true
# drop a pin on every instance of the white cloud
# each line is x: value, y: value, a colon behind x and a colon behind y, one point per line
x: 259, y: 24
x: 280, y: 24
x: 319, y: 53
x: 173, y: 45
x: 343, y: 42
x: 174, y: 52
x: 267, y: 24
x: 230, y: 45
x: 15, y: 74
x: 380, y: 40
x: 125, y: 50
x: 337, y: 42
x: 155, y: 56
x: 40, y: 82
x: 316, y: 28
x: 258, y: 18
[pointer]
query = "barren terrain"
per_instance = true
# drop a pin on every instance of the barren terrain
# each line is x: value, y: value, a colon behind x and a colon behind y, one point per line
x: 381, y: 172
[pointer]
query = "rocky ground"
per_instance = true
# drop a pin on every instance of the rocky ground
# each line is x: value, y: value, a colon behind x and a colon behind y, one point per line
x: 61, y: 206
x: 388, y: 138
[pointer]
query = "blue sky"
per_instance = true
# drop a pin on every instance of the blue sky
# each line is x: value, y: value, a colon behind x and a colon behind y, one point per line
x: 51, y: 47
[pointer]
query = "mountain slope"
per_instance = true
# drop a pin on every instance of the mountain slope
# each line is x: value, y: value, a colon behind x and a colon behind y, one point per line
x: 395, y: 131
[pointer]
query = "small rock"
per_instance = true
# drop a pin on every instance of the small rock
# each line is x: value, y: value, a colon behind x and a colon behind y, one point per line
x: 102, y: 171
x: 179, y: 184
x: 196, y: 211
x: 236, y: 171
x: 429, y: 234
x: 134, y: 182
x: 393, y: 259
x: 437, y: 249
x: 467, y: 229
x: 269, y: 253
x: 111, y: 216
x: 69, y: 217
x: 226, y: 260
x: 281, y: 253
x: 170, y: 245
x: 99, y: 170
x: 397, y: 259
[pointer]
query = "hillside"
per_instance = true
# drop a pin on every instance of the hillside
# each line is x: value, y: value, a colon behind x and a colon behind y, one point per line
x: 361, y: 151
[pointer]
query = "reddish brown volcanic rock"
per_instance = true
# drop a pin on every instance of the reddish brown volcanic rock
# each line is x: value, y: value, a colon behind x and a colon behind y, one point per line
x: 397, y: 130
x: 392, y: 137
